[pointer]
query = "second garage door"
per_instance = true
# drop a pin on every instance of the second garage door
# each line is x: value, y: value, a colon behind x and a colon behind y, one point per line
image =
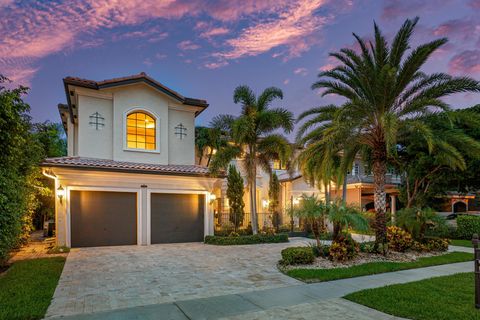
x: 101, y: 218
x: 177, y: 217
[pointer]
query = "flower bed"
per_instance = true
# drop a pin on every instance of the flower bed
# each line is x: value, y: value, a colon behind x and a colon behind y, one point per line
x: 241, y: 240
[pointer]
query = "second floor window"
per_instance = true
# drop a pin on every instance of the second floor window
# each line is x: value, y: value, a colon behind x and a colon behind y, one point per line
x: 278, y: 165
x: 141, y: 131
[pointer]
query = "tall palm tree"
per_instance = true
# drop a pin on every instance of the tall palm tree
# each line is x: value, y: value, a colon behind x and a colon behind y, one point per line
x: 252, y: 137
x: 207, y: 141
x: 386, y: 95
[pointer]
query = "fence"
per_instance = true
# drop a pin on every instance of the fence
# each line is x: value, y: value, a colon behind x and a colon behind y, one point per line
x: 223, y: 218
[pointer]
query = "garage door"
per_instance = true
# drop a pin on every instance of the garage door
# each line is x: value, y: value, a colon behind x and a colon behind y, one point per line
x: 99, y: 218
x: 177, y: 217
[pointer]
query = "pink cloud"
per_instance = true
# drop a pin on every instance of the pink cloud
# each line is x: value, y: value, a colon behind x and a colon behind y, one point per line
x: 216, y: 65
x: 286, y: 81
x: 475, y: 4
x: 290, y: 28
x: 404, y: 9
x: 187, y: 45
x: 466, y: 62
x: 214, y: 32
x: 459, y: 28
x: 300, y: 71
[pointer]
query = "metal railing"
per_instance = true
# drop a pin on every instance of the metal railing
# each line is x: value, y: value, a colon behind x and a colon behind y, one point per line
x: 223, y: 218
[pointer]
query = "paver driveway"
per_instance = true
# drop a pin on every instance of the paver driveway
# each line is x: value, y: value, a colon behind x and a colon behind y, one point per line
x: 107, y: 278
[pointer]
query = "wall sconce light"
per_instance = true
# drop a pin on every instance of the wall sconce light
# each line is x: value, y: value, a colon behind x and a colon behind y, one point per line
x: 212, y: 198
x: 296, y: 201
x: 265, y: 203
x: 60, y: 193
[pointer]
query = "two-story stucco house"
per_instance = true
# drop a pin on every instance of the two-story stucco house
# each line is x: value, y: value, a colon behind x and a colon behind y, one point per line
x: 130, y: 175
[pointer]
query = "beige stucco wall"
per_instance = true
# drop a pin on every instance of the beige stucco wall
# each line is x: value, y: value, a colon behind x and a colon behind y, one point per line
x: 131, y: 182
x: 114, y: 104
x: 93, y: 143
x: 181, y: 151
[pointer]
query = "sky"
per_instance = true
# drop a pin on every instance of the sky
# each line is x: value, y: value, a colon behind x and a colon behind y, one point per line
x: 204, y: 49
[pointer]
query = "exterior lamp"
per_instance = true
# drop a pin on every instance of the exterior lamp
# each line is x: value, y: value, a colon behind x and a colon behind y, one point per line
x: 60, y: 193
x: 265, y: 203
x: 212, y: 197
x: 296, y: 201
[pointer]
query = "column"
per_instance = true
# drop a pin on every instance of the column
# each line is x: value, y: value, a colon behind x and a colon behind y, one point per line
x: 393, y: 206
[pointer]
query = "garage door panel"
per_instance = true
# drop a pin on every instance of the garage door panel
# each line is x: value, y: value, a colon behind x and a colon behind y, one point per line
x: 101, y: 218
x: 177, y: 217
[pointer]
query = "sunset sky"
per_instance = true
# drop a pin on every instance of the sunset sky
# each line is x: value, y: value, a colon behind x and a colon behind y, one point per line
x: 204, y: 49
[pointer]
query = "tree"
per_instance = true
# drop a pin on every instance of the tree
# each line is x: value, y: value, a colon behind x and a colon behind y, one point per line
x: 19, y: 158
x: 386, y: 96
x: 235, y: 191
x: 252, y: 138
x: 313, y: 211
x: 274, y: 201
x: 428, y: 170
x: 345, y: 217
x: 207, y: 140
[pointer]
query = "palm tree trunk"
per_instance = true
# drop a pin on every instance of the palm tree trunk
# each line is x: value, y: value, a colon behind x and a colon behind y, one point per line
x: 380, y: 197
x: 344, y: 189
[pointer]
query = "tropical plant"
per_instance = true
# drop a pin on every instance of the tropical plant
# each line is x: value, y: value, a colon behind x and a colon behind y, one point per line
x: 426, y: 169
x: 207, y: 141
x: 398, y: 239
x: 344, y: 217
x: 417, y: 221
x: 343, y: 248
x: 273, y: 200
x: 386, y: 96
x: 252, y: 139
x: 19, y: 158
x: 313, y: 211
x: 235, y: 191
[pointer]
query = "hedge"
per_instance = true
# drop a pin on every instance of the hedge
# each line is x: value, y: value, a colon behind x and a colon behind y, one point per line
x: 253, y: 239
x: 467, y: 226
x: 297, y: 255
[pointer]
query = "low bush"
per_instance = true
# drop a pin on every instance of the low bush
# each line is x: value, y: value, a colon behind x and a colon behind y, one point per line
x: 467, y: 226
x: 343, y: 249
x: 431, y: 244
x: 297, y: 255
x: 320, y: 251
x: 239, y: 240
x: 367, y: 247
x: 398, y: 239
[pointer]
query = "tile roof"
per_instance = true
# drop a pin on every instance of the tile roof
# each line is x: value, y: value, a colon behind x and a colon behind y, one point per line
x: 141, y: 77
x: 111, y: 165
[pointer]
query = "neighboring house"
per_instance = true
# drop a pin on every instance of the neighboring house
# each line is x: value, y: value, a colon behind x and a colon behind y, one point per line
x: 130, y: 175
x: 293, y: 186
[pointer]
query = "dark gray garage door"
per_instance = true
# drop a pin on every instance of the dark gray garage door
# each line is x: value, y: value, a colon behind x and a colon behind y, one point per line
x: 100, y: 218
x: 177, y: 217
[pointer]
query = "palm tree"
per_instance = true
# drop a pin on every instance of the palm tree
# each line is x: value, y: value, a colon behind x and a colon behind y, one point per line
x: 386, y: 95
x: 344, y: 217
x: 314, y: 212
x: 207, y: 141
x: 252, y: 138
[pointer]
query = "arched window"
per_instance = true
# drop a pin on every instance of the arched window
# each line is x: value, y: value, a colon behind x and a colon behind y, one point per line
x: 141, y: 131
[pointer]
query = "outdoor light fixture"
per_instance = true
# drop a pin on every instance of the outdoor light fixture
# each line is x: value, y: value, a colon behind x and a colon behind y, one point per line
x: 265, y: 203
x: 212, y: 197
x: 296, y: 201
x: 60, y: 193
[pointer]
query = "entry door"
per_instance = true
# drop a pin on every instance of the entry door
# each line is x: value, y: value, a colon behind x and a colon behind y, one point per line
x: 177, y: 217
x: 100, y: 218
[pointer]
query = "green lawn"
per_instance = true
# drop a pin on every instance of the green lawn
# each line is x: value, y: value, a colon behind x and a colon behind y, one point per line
x: 462, y: 243
x: 26, y: 289
x: 442, y: 298
x: 316, y: 275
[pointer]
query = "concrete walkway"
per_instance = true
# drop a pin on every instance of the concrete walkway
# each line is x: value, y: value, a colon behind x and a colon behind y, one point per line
x: 305, y: 301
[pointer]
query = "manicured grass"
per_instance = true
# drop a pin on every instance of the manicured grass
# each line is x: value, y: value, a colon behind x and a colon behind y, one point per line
x: 317, y: 275
x: 442, y: 298
x: 461, y: 243
x: 26, y: 289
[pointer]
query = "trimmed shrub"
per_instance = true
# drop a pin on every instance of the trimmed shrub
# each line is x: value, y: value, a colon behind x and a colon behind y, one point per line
x: 239, y: 240
x: 431, y: 244
x: 297, y: 255
x: 398, y: 239
x: 320, y: 251
x: 343, y: 249
x: 467, y: 226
